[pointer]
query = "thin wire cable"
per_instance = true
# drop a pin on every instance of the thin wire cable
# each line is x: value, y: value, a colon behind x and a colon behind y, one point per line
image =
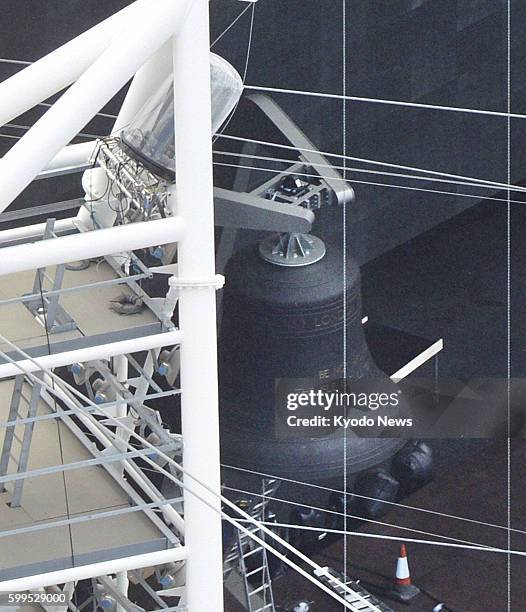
x: 128, y: 429
x: 355, y: 516
x: 413, y: 177
x: 391, y: 503
x: 11, y: 136
x: 61, y: 450
x: 344, y: 266
x: 211, y: 491
x: 260, y: 526
x: 378, y: 536
x: 353, y: 181
x: 508, y: 291
x: 378, y: 163
x: 455, y: 109
x: 4, y: 60
x: 18, y: 126
x: 184, y: 485
x: 230, y: 26
x: 185, y: 472
x: 16, y: 137
x: 141, y: 439
x: 99, y: 114
x: 243, y: 78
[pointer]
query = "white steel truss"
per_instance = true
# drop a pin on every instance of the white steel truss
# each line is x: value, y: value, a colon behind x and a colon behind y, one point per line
x: 112, y: 424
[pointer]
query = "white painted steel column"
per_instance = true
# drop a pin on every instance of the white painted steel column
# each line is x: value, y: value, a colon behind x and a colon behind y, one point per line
x: 197, y: 310
x: 145, y: 83
x: 123, y: 583
x: 120, y: 369
x: 144, y: 33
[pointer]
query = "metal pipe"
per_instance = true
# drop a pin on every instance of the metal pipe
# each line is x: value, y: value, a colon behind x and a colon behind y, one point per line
x: 36, y: 230
x: 197, y: 309
x: 95, y: 569
x: 147, y: 80
x: 86, y: 245
x: 152, y: 25
x: 101, y: 351
x: 120, y: 368
x: 72, y: 155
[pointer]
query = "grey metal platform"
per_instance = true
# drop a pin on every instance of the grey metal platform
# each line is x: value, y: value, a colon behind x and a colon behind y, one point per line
x: 88, y: 490
x: 55, y: 496
x: 20, y: 326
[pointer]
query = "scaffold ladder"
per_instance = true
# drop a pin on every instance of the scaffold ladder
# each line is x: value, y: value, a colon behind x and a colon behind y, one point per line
x: 354, y: 593
x: 44, y: 307
x: 259, y: 597
x: 19, y: 457
x: 257, y: 581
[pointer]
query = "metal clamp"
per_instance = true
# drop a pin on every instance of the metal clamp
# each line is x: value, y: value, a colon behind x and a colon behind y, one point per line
x: 217, y: 282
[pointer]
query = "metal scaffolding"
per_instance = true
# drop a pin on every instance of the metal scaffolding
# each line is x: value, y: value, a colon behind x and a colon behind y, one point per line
x: 86, y: 353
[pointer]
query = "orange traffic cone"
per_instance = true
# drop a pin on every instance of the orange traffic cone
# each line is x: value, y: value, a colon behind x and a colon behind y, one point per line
x: 402, y: 589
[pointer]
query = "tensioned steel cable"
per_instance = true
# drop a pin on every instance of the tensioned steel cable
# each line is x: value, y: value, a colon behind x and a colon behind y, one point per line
x: 260, y: 526
x: 170, y: 476
x: 262, y: 474
x: 377, y: 536
x: 249, y: 519
x: 232, y: 24
x: 315, y: 165
x: 61, y: 450
x: 391, y: 503
x: 18, y: 126
x: 353, y: 516
x: 344, y: 265
x: 227, y: 502
x: 508, y: 296
x: 355, y: 181
x: 358, y: 170
x: 157, y: 450
x: 374, y: 162
x: 245, y: 71
x: 400, y: 103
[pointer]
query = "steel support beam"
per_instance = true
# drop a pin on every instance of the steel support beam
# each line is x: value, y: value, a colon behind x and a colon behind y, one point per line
x: 95, y: 87
x: 82, y: 572
x: 197, y: 310
x: 101, y: 351
x: 86, y: 245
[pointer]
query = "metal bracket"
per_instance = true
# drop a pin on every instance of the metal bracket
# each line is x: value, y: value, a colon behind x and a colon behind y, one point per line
x: 216, y: 282
x: 46, y: 309
x: 308, y: 150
